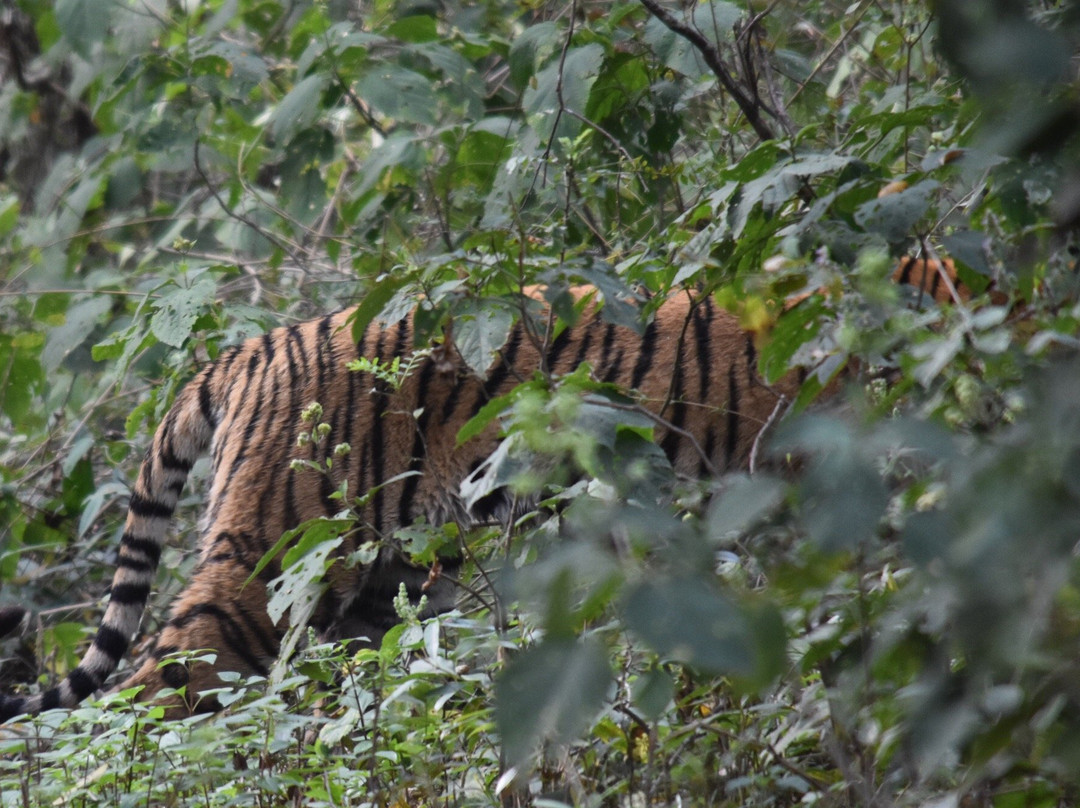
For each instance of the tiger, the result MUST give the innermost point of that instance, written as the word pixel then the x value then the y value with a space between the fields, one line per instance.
pixel 693 367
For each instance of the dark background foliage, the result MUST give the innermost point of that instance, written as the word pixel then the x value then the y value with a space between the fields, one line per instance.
pixel 895 624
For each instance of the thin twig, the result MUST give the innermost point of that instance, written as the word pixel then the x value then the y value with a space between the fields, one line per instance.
pixel 859 13
pixel 239 216
pixel 772 419
pixel 711 55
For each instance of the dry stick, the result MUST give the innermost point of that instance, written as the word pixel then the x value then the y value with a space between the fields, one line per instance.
pixel 712 58
pixel 930 254
pixel 559 97
pixel 773 417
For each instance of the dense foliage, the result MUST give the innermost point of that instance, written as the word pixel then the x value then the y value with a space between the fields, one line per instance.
pixel 896 621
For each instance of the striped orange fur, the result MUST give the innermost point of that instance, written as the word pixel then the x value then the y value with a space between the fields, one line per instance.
pixel 693 362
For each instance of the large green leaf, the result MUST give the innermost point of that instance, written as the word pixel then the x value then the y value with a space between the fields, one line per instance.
pixel 84 23
pixel 480 330
pixel 299 108
pixel 176 312
pixel 550 692
pixel 399 93
pixel 688 620
pixel 561 86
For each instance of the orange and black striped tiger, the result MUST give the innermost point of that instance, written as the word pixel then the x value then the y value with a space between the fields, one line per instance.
pixel 694 361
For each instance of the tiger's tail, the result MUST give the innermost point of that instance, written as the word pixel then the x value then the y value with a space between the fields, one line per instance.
pixel 181 438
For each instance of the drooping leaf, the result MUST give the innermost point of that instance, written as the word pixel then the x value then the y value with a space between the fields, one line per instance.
pixel 560 86
pixel 688 620
pixel 531 49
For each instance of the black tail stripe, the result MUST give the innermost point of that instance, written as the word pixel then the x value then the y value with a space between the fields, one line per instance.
pixel 111 642
pixel 128 594
pixel 141 506
pixel 50 699
pixel 170 461
pixel 134 564
pixel 82 682
pixel 148 547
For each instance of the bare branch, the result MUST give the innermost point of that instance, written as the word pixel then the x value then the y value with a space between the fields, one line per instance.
pixel 711 55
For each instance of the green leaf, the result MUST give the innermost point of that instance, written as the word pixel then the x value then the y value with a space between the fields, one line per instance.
pixel 715 20
pixel 84 23
pixel 316 532
pixel 78 325
pixel 24 375
pixel 795 328
pixel 176 313
pixel 970 248
pixel 895 216
pixel 417 28
pixel 621 303
pixel 550 693
pixel 298 109
pixel 575 74
pixel 743 502
pixel 653 691
pixel 298 589
pixel 9 213
pixel 373 304
pixel 531 49
pixel 400 149
pixel 687 620
pixel 480 330
pixel 475 425
pixel 399 93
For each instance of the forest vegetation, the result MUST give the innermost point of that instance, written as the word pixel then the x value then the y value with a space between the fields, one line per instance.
pixel 884 610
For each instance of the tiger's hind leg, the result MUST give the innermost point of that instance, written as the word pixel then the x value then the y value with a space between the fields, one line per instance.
pixel 218 612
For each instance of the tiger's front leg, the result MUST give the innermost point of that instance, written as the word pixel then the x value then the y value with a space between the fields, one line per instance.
pixel 218 612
